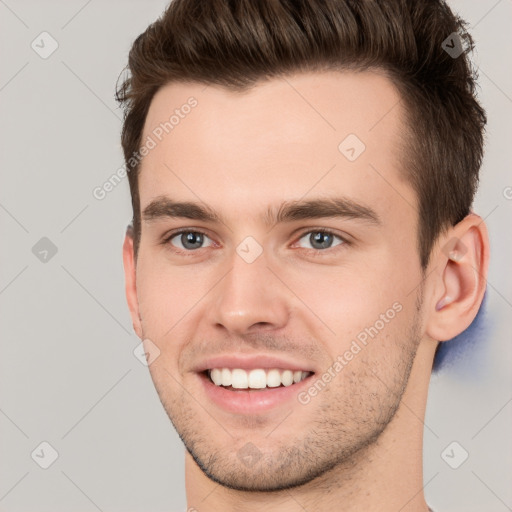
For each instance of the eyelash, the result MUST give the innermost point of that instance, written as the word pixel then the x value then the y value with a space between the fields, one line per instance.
pixel 313 252
pixel 325 252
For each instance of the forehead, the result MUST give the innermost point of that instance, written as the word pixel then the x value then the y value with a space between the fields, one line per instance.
pixel 279 140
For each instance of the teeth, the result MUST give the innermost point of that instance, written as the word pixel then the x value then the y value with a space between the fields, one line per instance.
pixel 273 379
pixel 216 376
pixel 287 378
pixel 255 379
pixel 226 377
pixel 239 379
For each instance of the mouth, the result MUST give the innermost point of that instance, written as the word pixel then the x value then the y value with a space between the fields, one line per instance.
pixel 256 389
pixel 239 379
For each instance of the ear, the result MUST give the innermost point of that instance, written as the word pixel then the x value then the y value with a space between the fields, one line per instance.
pixel 461 266
pixel 130 265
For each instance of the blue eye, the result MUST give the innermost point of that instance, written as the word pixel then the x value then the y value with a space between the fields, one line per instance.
pixel 188 240
pixel 321 239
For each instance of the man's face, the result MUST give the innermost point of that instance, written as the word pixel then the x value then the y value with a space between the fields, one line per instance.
pixel 252 293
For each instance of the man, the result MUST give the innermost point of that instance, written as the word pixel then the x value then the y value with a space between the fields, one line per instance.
pixel 302 176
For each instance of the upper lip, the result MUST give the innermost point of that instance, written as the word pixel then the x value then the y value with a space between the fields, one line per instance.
pixel 251 362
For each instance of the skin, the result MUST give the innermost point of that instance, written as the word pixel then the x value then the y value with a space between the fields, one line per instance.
pixel 357 445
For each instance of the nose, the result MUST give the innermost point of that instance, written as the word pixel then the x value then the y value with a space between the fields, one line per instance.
pixel 249 299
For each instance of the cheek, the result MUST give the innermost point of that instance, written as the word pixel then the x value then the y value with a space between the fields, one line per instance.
pixel 163 296
pixel 359 302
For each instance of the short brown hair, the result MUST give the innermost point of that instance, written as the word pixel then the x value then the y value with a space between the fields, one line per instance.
pixel 237 43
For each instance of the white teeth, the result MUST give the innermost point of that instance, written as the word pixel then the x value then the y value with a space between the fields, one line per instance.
pixel 226 377
pixel 273 379
pixel 255 379
pixel 287 378
pixel 239 379
pixel 216 376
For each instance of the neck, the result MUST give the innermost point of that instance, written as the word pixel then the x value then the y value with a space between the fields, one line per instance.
pixel 386 476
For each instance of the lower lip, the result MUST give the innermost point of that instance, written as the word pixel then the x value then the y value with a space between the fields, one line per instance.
pixel 251 401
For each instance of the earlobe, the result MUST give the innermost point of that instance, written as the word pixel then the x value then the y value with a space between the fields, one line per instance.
pixel 130 282
pixel 462 260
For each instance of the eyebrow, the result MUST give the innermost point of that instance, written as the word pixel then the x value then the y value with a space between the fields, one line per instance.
pixel 335 207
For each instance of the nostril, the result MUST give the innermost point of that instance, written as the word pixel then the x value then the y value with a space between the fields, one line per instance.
pixel 260 325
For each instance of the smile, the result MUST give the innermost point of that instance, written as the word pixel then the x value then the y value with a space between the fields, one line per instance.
pixel 257 378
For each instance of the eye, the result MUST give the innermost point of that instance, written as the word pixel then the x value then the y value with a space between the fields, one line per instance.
pixel 188 240
pixel 321 239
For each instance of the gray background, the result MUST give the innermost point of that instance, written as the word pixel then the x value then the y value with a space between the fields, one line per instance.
pixel 68 375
